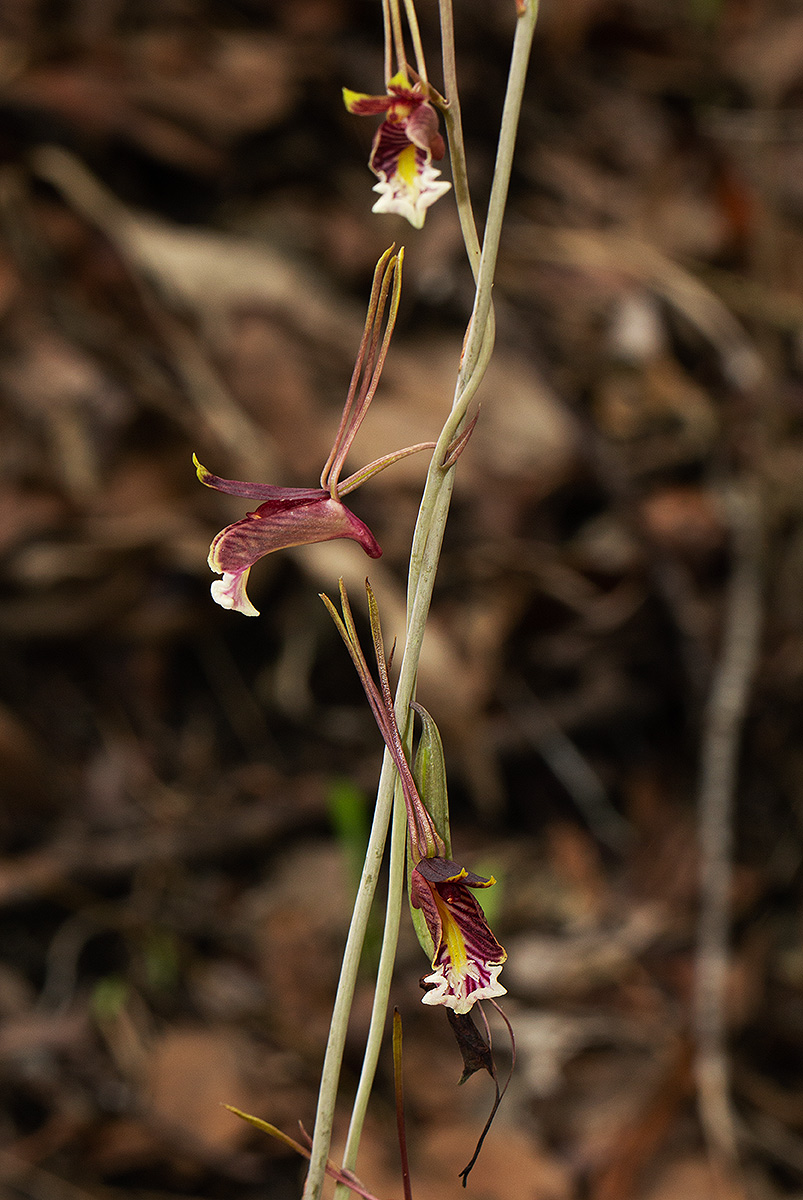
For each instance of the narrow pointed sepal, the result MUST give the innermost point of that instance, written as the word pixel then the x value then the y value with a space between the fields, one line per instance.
pixel 251 491
pixel 363 105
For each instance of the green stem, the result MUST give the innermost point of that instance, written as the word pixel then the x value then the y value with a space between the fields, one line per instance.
pixel 457 157
pixel 384 976
pixel 454 129
pixel 425 555
pixel 333 1058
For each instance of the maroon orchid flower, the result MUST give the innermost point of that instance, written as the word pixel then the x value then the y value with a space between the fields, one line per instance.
pixel 287 517
pixel 403 148
pixel 468 957
pixel 290 516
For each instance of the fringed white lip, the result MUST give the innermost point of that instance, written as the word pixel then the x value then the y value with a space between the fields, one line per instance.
pixel 461 990
pixel 411 199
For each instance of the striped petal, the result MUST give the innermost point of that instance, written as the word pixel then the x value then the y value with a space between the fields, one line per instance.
pixel 408 183
pixel 468 958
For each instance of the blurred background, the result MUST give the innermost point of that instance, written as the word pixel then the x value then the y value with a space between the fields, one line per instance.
pixel 186 249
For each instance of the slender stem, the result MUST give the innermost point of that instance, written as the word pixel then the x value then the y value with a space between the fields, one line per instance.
pixel 457 155
pixel 520 58
pixel 384 978
pixel 412 21
pixel 478 347
pixel 398 37
pixel 428 538
pixel 454 129
pixel 388 41
pixel 398 1077
pixel 330 1074
pixel 721 740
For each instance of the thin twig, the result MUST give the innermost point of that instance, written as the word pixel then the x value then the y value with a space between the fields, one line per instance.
pixel 721 738
pixel 217 408
pixel 568 765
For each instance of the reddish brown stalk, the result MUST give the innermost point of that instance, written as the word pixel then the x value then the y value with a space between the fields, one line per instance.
pixel 464 1174
pixel 399 1086
pixel 334 1172
pixel 423 833
pixel 425 841
pixel 369 363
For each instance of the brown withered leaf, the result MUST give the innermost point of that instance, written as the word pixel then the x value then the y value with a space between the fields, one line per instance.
pixel 473 1047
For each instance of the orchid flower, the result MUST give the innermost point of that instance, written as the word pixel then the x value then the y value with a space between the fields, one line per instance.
pixel 466 957
pixel 289 516
pixel 403 148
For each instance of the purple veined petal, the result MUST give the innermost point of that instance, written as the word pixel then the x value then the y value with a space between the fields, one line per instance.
pixel 422 126
pixel 408 183
pixel 296 518
pixel 390 141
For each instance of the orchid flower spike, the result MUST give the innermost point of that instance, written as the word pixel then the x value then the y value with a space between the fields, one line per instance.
pixel 403 149
pixel 466 957
pixel 289 516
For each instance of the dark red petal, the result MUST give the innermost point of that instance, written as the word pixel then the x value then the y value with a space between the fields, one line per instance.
pixel 437 147
pixel 423 897
pixel 290 520
pixel 443 870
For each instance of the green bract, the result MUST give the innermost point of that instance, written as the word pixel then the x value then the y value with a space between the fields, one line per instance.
pixel 429 773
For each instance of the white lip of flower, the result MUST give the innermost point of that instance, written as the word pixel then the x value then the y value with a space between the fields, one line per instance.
pixel 450 986
pixel 411 198
pixel 229 592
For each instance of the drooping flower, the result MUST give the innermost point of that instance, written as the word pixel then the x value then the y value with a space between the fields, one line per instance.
pixel 299 516
pixel 466 957
pixel 403 149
